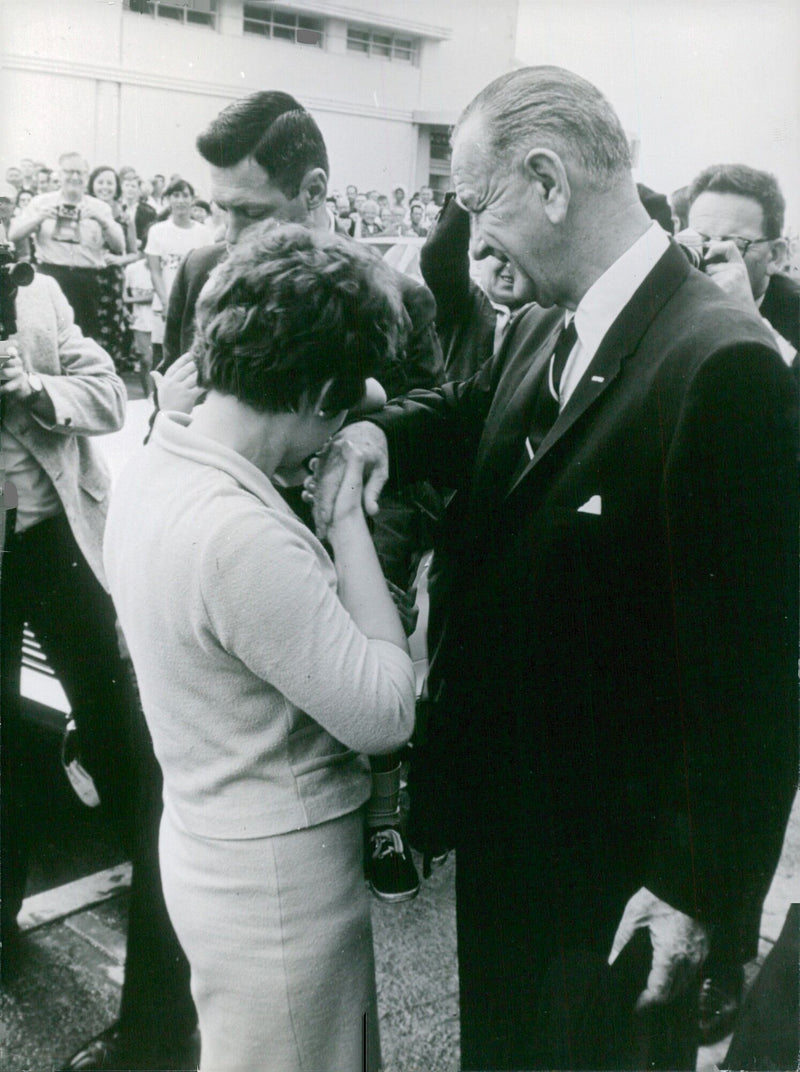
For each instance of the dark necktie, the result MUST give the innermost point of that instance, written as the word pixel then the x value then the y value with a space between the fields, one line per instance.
pixel 546 406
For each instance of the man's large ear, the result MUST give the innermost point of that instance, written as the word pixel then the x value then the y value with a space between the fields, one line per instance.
pixel 778 256
pixel 314 188
pixel 545 170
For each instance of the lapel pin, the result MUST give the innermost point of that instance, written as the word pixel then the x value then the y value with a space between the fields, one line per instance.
pixel 598 379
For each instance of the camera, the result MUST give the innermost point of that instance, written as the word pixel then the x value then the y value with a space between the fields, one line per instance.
pixel 67 221
pixel 694 247
pixel 13 275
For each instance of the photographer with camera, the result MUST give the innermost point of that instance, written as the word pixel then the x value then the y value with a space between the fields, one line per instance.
pixel 736 219
pixel 73 233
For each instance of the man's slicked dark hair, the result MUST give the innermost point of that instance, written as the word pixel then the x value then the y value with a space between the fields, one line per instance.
pixel 740 179
pixel 276 130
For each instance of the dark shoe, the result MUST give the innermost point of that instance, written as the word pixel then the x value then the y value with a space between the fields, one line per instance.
pixel 720 998
pixel 115 1049
pixel 390 869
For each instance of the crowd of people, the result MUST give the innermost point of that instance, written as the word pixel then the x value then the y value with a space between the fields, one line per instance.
pixel 599 440
pixel 119 294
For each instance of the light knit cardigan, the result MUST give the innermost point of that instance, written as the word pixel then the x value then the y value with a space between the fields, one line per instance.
pixel 259 690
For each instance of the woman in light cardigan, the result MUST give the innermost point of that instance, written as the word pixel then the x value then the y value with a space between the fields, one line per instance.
pixel 267 668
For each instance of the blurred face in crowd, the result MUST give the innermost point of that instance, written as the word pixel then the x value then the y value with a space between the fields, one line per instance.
pixel 24 199
pixel 28 167
pixel 247 194
pixel 723 215
pixel 55 181
pixel 426 195
pixel 351 192
pixel 360 199
pixel 369 211
pixel 503 285
pixel 342 203
pixel 105 186
pixel 158 185
pixel 199 214
pixel 42 179
pixel 180 205
pixel 130 189
pixel 399 195
pixel 14 177
pixel 416 214
pixel 74 171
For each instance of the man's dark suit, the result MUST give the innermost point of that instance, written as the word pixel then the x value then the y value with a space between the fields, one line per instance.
pixel 617 695
pixel 781 306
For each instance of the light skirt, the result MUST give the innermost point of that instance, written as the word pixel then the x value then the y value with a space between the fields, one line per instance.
pixel 278 935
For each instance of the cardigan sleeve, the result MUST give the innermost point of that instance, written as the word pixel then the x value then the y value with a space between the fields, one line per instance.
pixel 270 604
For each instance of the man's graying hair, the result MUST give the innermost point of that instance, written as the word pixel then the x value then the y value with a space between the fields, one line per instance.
pixel 554 109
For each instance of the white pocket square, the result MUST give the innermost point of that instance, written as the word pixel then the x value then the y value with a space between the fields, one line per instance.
pixel 592 506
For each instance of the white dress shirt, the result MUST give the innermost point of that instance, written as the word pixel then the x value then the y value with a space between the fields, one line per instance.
pixel 604 301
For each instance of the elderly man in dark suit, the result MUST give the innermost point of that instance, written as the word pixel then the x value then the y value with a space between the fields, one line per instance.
pixel 615 745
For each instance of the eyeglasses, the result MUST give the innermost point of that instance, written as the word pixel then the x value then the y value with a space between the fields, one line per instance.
pixel 742 244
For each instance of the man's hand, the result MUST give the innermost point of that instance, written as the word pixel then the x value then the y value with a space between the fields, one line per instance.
pixel 177 387
pixel 14 376
pixel 680 945
pixel 725 265
pixel 366 442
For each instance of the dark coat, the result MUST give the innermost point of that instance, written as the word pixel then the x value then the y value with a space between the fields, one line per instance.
pixel 617 676
pixel 781 306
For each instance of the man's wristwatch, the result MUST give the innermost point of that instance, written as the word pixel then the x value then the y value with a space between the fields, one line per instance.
pixel 35 382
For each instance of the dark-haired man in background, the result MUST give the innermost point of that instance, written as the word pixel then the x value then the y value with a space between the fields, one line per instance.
pixel 739 211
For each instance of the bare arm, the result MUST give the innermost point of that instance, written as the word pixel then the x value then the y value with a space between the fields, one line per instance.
pixel 362 587
pixel 159 286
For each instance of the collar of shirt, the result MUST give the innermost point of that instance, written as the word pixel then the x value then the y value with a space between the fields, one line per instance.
pixel 604 301
pixel 331 220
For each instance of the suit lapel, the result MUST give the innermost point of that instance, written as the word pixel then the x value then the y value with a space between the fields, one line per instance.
pixel 619 342
pixel 510 414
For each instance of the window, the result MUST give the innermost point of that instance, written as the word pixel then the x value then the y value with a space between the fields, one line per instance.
pixel 379 43
pixel 194 12
pixel 284 25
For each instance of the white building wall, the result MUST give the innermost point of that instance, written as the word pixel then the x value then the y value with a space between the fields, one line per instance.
pixel 125 88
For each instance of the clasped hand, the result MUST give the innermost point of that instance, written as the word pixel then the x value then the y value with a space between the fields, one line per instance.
pixel 349 472
pixel 680 945
pixel 14 375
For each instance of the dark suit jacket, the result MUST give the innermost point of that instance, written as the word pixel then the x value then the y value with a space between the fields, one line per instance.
pixel 617 675
pixel 781 306
pixel 420 364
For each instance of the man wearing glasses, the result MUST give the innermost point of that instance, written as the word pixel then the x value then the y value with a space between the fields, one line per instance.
pixel 739 213
pixel 73 233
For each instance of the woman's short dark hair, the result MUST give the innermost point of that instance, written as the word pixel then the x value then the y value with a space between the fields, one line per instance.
pixel 99 171
pixel 291 309
pixel 179 186
pixel 272 127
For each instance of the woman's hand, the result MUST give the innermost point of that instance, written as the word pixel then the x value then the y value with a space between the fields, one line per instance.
pixel 177 387
pixel 347 507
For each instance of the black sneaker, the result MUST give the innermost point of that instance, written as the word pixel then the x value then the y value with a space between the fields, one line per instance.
pixel 720 998
pixel 390 869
